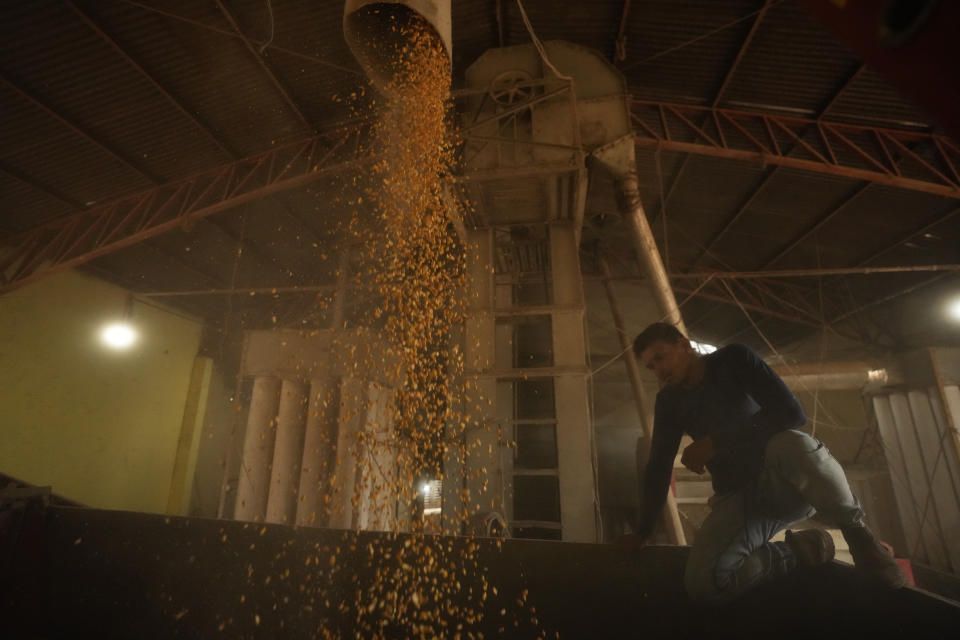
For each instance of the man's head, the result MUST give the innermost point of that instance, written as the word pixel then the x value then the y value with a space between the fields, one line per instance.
pixel 665 351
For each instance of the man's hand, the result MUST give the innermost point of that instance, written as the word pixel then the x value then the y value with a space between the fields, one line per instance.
pixel 631 541
pixel 697 454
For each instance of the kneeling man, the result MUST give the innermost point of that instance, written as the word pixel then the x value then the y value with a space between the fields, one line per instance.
pixel 766 473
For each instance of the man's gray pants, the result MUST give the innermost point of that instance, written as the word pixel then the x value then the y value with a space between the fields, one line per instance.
pixel 732 553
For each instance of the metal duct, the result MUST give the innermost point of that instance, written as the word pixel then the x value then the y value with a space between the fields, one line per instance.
pixel 619 160
pixel 369 27
pixel 833 376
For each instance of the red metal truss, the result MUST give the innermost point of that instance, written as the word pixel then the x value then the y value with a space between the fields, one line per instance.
pixel 75 239
pixel 908 159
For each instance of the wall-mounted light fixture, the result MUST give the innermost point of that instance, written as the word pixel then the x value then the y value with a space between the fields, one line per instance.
pixel 120 335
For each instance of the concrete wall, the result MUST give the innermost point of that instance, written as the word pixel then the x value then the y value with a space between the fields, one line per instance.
pixel 100 426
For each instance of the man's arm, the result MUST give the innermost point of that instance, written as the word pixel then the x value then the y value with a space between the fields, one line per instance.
pixel 663 450
pixel 779 409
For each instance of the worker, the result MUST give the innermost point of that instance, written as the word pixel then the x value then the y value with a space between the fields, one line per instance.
pixel 766 473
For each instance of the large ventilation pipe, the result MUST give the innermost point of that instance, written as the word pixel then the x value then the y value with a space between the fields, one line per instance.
pixel 618 159
pixel 374 32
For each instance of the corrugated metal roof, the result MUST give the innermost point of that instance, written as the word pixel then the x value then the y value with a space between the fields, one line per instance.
pixel 474 31
pixel 591 24
pixel 675 52
pixel 871 100
pixel 792 62
pixel 661 65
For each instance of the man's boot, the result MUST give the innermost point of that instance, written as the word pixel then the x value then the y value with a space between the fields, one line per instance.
pixel 872 558
pixel 811 547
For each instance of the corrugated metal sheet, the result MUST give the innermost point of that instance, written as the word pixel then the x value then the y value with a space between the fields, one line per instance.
pixel 474 31
pixel 786 205
pixel 210 71
pixel 792 63
pixel 322 86
pixel 105 96
pixel 914 428
pixel 660 63
pixel 871 100
pixel 591 24
pixel 25 207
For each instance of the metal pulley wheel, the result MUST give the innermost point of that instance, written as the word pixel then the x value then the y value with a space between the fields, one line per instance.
pixel 511 87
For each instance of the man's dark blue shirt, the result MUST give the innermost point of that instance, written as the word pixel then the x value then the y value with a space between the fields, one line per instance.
pixel 740 402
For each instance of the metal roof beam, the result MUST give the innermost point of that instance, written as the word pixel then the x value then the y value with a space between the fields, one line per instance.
pixel 716 100
pixel 779 144
pixel 731 220
pixel 813 273
pixel 201 311
pixel 726 300
pixel 166 93
pixel 75 239
pixel 116 155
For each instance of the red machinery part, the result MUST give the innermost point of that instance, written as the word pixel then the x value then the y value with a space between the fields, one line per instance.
pixel 911 43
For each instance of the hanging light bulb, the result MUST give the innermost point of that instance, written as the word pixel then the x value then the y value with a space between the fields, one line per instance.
pixel 953 309
pixel 120 335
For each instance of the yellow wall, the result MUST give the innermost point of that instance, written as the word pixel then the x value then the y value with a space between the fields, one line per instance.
pixel 100 426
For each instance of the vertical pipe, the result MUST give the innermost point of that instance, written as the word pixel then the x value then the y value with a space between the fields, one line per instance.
pixel 318 451
pixel 646 248
pixel 672 515
pixel 287 453
pixel 254 479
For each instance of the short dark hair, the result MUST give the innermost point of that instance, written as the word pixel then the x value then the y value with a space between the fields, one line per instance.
pixel 657 332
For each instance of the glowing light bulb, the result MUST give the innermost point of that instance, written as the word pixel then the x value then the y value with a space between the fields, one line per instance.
pixel 953 309
pixel 118 335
